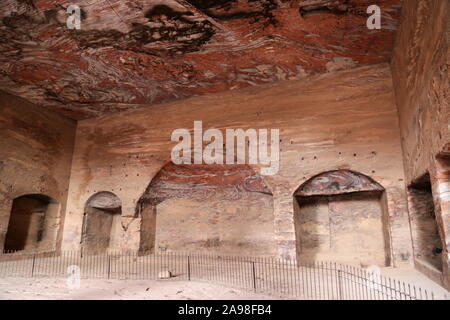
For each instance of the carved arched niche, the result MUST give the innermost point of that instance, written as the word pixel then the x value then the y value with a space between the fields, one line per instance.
pixel 224 209
pixel 342 216
pixel 33 223
pixel 102 226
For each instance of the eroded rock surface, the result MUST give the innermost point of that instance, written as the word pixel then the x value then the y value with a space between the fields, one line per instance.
pixel 134 53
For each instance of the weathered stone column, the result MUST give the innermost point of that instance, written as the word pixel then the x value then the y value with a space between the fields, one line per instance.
pixel 399 228
pixel 5 211
pixel 131 228
pixel 284 223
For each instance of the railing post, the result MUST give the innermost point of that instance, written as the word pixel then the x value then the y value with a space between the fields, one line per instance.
pixel 340 283
pixel 189 267
pixel 32 266
pixel 109 265
pixel 254 275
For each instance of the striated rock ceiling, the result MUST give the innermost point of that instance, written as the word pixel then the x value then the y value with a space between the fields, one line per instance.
pixel 130 54
pixel 202 181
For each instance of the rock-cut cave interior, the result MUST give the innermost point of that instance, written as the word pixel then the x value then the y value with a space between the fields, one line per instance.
pixel 88 114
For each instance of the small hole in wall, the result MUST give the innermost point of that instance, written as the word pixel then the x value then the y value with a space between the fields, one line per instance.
pixel 354 154
pixel 315 158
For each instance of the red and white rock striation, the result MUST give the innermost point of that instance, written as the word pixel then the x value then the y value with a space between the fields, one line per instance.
pixel 134 53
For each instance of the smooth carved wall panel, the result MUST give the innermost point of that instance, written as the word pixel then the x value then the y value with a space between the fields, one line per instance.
pixel 243 226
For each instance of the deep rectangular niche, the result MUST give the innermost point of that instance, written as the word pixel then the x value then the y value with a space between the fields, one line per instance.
pixel 33 224
pixel 424 230
pixel 348 228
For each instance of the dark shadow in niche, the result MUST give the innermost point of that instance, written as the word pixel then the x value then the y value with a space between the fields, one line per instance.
pixel 31 224
pixel 342 216
pixel 425 235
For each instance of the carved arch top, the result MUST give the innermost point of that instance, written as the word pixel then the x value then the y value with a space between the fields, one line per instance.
pixel 337 182
pixel 201 182
pixel 104 200
pixel 38 196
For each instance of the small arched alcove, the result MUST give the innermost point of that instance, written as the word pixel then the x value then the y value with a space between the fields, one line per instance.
pixel 102 226
pixel 341 215
pixel 224 209
pixel 33 223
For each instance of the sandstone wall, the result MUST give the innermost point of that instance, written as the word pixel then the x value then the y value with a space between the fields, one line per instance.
pixel 36 149
pixel 420 68
pixel 219 225
pixel 342 120
pixel 223 209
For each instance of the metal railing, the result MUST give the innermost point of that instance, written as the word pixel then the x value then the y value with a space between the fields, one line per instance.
pixel 284 278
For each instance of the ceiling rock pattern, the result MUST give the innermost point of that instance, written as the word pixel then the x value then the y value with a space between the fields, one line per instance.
pixel 130 54
pixel 202 182
pixel 337 182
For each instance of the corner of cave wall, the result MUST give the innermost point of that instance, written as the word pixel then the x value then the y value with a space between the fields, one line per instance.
pixel 36 156
pixel 420 67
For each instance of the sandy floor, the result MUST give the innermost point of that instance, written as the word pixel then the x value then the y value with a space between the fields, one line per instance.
pixel 56 289
pixel 411 275
pixel 94 289
pixel 213 278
